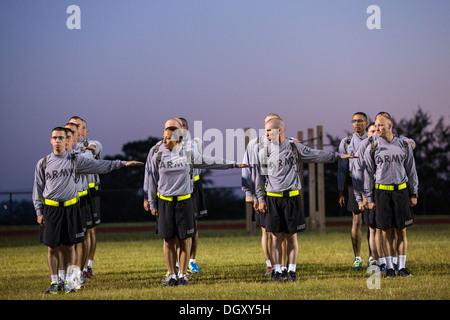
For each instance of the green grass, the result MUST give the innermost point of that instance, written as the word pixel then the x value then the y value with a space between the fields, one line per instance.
pixel 130 266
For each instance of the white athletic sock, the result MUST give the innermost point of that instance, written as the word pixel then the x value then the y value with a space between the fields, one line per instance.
pixel 62 274
pixel 358 258
pixel 283 268
pixel 277 268
pixel 191 260
pixel 389 264
pixel 401 262
pixel 268 263
pixel 181 275
pixel 292 267
pixel 90 263
pixel 54 277
pixel 394 260
pixel 173 276
pixel 77 273
pixel 383 260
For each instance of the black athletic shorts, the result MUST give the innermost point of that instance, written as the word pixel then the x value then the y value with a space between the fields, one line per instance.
pixel 393 209
pixel 85 211
pixel 260 217
pixel 352 205
pixel 176 219
pixel 95 205
pixel 285 214
pixel 200 203
pixel 369 218
pixel 62 225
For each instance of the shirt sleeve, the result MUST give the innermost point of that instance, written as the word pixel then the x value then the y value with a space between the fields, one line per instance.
pixel 411 172
pixel 153 178
pixel 38 187
pixel 342 167
pixel 369 171
pixel 85 165
pixel 247 179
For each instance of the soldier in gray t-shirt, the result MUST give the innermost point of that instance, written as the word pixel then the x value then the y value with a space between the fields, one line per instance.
pixel 277 177
pixel 390 167
pixel 55 197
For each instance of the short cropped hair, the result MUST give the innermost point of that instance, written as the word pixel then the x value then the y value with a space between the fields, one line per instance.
pixel 361 114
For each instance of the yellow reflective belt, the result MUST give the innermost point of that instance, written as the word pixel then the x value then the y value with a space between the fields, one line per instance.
pixel 196 178
pixel 280 194
pixel 178 198
pixel 92 185
pixel 390 187
pixel 64 204
pixel 82 193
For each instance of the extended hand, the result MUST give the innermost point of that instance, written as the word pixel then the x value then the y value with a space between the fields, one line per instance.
pixel 245 166
pixel 154 212
pixel 348 156
pixel 134 163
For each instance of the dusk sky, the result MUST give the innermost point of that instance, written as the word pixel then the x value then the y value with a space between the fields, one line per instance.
pixel 134 64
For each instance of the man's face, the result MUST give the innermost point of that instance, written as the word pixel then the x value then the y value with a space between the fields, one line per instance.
pixel 383 127
pixel 167 140
pixel 58 140
pixel 72 138
pixel 69 139
pixel 371 131
pixel 359 124
pixel 81 127
pixel 272 134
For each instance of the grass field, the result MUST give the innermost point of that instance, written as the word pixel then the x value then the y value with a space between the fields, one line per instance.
pixel 129 266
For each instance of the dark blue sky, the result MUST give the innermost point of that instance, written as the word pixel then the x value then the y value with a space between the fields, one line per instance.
pixel 133 64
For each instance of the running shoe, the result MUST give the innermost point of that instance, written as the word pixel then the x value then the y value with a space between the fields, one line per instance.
pixel 395 267
pixel 403 272
pixel 54 288
pixel 357 264
pixel 382 267
pixel 276 277
pixel 292 277
pixel 86 273
pixel 390 273
pixel 370 262
pixel 166 278
pixel 69 286
pixel 193 267
pixel 172 282
pixel 284 273
pixel 182 281
pixel 268 271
